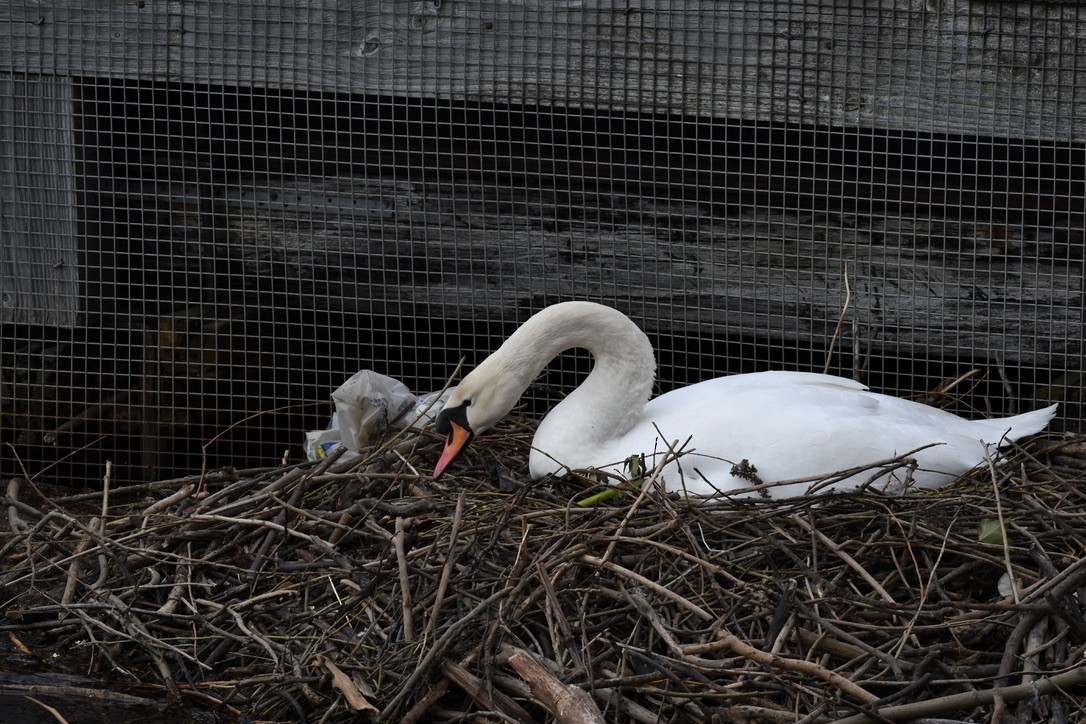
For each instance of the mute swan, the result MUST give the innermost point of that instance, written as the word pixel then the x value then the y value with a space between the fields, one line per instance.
pixel 788 425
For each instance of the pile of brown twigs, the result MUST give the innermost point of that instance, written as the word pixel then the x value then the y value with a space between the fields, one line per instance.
pixel 321 591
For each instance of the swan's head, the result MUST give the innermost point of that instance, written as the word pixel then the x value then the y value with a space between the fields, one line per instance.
pixel 479 401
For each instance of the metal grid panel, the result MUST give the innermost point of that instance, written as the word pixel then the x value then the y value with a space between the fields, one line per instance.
pixel 260 199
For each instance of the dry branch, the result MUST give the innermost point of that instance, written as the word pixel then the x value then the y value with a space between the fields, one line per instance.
pixel 356 701
pixel 568 704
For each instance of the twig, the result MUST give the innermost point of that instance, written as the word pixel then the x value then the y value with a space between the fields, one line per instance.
pixel 807 668
pixel 73 575
pixel 55 714
pixel 1011 578
pixel 840 322
pixel 103 559
pixel 423 667
pixel 15 521
pixel 688 605
pixel 568 704
pixel 242 421
pixel 825 480
pixel 849 560
pixel 446 567
pixel 356 700
pixel 402 524
pixel 479 690
pixel 168 502
pixel 969 700
pixel 420 709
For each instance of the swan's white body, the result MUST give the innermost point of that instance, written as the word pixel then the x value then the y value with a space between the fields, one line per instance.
pixel 787 425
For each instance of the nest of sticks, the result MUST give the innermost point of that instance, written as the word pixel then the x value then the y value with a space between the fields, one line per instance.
pixel 337 590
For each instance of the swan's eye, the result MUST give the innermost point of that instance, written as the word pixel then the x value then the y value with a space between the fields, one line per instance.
pixel 467 402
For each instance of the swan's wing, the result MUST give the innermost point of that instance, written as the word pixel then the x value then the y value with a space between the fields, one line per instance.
pixel 787 379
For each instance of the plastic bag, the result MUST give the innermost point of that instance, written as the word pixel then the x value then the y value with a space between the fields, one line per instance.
pixel 367 404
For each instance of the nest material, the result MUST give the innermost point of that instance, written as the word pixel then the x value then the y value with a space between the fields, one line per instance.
pixel 317 592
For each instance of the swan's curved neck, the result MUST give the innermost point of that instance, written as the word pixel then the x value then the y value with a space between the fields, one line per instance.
pixel 613 396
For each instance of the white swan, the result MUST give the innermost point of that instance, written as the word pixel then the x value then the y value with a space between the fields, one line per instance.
pixel 788 425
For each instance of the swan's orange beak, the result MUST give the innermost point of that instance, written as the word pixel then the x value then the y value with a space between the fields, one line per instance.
pixel 457 439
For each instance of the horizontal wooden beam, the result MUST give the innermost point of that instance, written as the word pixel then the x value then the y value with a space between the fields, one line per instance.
pixel 957 66
pixel 915 288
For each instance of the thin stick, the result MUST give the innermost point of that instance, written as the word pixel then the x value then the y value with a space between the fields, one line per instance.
pixel 103 559
pixel 168 502
pixel 402 525
pixel 15 521
pixel 626 572
pixel 408 687
pixel 242 421
pixel 1002 528
pixel 446 568
pixel 970 700
pixel 56 714
pixel 840 323
pixel 808 668
pixel 852 563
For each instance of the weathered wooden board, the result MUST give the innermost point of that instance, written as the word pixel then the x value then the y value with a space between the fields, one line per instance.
pixel 39 253
pixel 1012 69
pixel 111 38
pixel 410 250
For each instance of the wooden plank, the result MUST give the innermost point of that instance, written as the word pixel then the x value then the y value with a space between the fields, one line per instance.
pixel 919 287
pixel 108 38
pixel 38 234
pixel 958 66
pixel 973 68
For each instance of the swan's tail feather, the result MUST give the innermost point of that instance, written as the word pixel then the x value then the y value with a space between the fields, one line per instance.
pixel 1008 429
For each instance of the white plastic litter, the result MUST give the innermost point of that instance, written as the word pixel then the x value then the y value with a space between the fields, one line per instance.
pixel 1006 587
pixel 367 404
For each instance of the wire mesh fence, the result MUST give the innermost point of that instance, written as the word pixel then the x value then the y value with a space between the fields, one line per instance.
pixel 212 214
pixel 212 218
